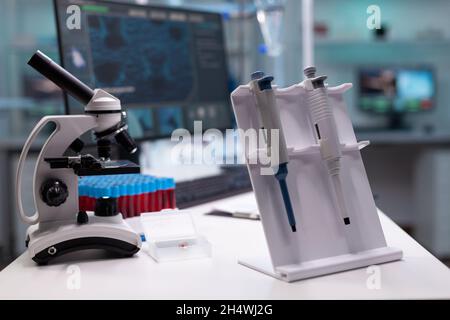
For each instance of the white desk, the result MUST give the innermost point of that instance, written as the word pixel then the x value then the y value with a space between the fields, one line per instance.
pixel 419 275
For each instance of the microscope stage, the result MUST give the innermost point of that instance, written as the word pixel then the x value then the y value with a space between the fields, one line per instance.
pixel 110 167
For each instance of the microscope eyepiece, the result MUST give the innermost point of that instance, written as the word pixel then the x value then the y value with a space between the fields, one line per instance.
pixel 61 77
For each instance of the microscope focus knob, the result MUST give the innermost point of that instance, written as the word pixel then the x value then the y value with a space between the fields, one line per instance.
pixel 54 192
pixel 106 207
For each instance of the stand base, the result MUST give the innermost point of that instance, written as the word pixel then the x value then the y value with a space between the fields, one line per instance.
pixel 319 267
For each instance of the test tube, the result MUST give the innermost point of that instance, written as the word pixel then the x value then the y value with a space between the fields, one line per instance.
pixel 152 195
pixel 167 193
pixel 91 200
pixel 129 197
pixel 81 197
pixel 137 197
pixel 171 191
pixel 122 199
pixel 145 194
pixel 115 192
pixel 158 194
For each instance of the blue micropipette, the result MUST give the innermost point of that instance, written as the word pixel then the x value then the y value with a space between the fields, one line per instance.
pixel 270 117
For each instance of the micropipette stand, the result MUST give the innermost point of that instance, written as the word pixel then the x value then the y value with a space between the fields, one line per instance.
pixel 323 244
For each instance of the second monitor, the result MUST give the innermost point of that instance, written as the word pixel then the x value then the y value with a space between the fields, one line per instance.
pixel 396 91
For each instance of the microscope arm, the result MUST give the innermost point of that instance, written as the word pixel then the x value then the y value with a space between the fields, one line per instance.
pixel 52 147
pixel 40 125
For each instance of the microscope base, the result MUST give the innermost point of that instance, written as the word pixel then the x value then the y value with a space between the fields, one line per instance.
pixel 47 241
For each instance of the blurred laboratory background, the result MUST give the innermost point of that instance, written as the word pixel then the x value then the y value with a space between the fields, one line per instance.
pixel 400 101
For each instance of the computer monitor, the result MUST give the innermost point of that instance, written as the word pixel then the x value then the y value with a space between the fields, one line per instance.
pixel 167 65
pixel 395 91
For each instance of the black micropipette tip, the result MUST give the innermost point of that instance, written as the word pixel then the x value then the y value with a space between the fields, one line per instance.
pixel 346 220
pixel 281 177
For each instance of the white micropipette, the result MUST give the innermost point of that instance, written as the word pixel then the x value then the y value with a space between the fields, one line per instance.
pixel 327 134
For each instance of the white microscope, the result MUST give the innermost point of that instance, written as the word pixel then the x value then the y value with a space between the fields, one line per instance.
pixel 58 226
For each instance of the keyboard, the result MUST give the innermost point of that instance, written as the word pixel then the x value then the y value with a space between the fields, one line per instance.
pixel 233 180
